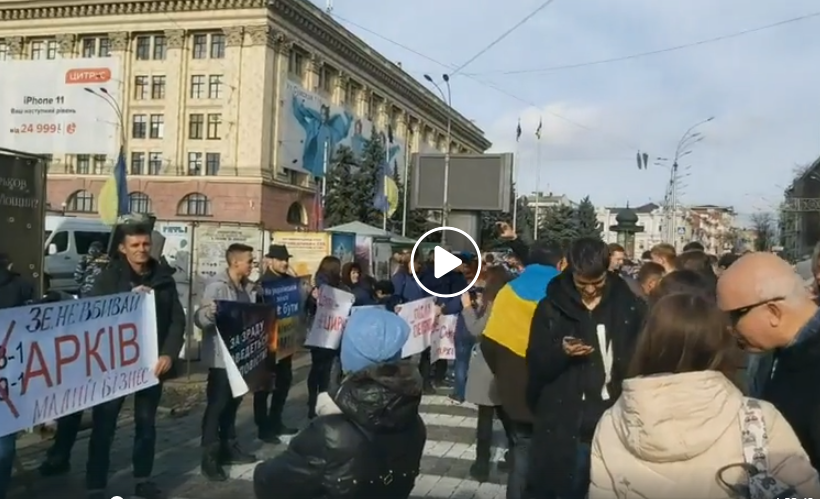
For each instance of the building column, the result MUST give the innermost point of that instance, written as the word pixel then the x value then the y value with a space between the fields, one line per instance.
pixel 15 44
pixel 365 101
pixel 252 102
pixel 282 46
pixel 230 161
pixel 340 90
pixel 174 155
pixel 314 65
pixel 67 45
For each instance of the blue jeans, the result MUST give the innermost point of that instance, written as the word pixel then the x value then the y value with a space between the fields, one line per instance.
pixel 8 447
pixel 580 481
pixel 521 440
pixel 464 352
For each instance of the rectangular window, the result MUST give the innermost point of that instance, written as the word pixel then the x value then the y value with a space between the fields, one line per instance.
pixel 137 163
pixel 4 51
pixel 104 47
pixel 200 47
pixel 157 130
pixel 140 87
pixel 157 87
pixel 83 164
pixel 154 163
pixel 214 126
pixel 99 163
pixel 37 49
pixel 139 126
pixel 296 63
pixel 215 87
pixel 160 47
pixel 212 162
pixel 195 163
pixel 51 49
pixel 143 51
pixel 217 46
pixel 89 47
pixel 197 86
pixel 325 79
pixel 196 126
pixel 349 95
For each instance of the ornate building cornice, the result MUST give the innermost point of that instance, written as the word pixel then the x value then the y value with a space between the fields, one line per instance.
pixel 300 14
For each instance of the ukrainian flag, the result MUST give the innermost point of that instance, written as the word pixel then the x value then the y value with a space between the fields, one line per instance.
pixel 513 308
pixel 113 200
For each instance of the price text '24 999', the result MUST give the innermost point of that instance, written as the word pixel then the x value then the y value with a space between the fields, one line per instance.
pixel 46 128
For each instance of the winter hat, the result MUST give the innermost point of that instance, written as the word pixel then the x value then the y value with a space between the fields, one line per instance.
pixel 372 336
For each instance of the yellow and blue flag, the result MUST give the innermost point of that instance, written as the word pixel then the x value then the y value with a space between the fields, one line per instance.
pixel 113 200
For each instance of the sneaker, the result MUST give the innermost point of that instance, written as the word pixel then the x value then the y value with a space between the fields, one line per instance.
pixel 54 467
pixel 148 490
pixel 504 464
pixel 231 453
pixel 211 467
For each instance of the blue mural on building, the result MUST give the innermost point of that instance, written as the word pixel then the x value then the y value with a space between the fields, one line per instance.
pixel 308 121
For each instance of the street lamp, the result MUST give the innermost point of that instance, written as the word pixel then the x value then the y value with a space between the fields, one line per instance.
pixel 689 138
pixel 112 103
pixel 448 99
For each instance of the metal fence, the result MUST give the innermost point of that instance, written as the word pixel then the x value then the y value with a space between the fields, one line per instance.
pixel 197 251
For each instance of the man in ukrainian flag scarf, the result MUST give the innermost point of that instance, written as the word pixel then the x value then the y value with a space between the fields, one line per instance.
pixel 504 345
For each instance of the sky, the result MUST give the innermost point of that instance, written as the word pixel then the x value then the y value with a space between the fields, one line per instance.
pixel 761 88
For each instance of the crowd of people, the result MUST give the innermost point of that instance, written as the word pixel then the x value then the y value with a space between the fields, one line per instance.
pixel 677 375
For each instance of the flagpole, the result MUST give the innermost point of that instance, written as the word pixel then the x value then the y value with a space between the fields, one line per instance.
pixel 515 179
pixel 384 184
pixel 325 160
pixel 404 182
pixel 537 181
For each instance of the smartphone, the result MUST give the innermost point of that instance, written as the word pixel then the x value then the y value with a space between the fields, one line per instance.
pixel 572 341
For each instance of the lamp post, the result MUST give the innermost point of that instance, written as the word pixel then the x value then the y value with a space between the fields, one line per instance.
pixel 448 99
pixel 112 103
pixel 689 138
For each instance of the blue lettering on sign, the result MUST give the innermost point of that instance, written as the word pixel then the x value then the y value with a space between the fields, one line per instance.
pixel 174 230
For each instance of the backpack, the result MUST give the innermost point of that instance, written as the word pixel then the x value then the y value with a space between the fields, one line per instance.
pixel 755 442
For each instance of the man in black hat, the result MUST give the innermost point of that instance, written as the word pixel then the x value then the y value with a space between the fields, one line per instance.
pixel 268 406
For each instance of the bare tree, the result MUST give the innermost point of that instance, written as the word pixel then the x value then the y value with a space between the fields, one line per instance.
pixel 763 225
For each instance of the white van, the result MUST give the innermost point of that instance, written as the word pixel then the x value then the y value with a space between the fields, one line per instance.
pixel 67 241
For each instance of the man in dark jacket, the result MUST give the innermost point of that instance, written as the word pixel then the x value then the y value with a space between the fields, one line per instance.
pixel 368 438
pixel 269 418
pixel 135 270
pixel 14 292
pixel 581 341
pixel 90 267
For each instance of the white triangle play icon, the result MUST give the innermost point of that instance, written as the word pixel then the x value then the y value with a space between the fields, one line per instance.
pixel 444 261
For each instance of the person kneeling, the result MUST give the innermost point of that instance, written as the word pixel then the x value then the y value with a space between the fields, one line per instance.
pixel 368 437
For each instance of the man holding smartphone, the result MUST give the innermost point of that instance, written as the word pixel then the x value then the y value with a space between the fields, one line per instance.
pixel 581 340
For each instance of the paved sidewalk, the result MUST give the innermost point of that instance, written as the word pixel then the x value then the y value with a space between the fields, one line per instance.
pixel 448 455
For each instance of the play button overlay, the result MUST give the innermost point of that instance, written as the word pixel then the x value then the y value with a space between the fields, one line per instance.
pixel 444 262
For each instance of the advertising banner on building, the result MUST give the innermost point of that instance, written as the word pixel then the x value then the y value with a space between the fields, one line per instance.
pixel 61 106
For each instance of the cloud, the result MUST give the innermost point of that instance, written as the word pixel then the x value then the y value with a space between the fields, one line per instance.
pixel 761 88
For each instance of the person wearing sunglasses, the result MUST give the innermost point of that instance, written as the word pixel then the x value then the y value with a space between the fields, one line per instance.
pixel 772 312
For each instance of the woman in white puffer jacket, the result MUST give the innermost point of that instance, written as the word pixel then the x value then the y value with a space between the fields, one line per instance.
pixel 679 419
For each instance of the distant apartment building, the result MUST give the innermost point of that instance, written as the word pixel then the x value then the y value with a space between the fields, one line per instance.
pixel 539 201
pixel 650 216
pixel 714 226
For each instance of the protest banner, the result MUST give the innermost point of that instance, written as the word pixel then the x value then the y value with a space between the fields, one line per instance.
pixel 332 309
pixel 420 315
pixel 443 338
pixel 244 330
pixel 63 357
pixel 288 297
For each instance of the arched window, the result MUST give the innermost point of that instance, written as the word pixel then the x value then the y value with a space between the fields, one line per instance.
pixel 296 215
pixel 82 202
pixel 194 205
pixel 139 202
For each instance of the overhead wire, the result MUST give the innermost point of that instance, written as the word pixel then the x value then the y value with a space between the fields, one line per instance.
pixel 674 48
pixel 615 138
pixel 503 35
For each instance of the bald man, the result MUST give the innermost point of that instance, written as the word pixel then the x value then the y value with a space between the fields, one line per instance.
pixel 772 311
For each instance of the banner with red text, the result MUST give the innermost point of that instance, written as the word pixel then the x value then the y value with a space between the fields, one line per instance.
pixel 60 358
pixel 443 338
pixel 332 309
pixel 420 315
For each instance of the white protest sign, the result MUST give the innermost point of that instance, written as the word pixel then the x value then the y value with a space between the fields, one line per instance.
pixel 235 379
pixel 61 106
pixel 332 309
pixel 420 315
pixel 443 338
pixel 60 358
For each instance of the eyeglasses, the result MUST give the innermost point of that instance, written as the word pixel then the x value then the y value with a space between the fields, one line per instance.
pixel 737 314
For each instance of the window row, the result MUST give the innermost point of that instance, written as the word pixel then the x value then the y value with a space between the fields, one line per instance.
pixel 202 87
pixel 192 205
pixel 199 163
pixel 145 126
pixel 206 87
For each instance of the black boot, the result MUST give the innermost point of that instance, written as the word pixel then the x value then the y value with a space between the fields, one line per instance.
pixel 54 467
pixel 211 468
pixel 480 470
pixel 267 435
pixel 231 453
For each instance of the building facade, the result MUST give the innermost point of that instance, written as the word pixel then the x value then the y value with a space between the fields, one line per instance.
pixel 539 202
pixel 222 101
pixel 650 216
pixel 714 226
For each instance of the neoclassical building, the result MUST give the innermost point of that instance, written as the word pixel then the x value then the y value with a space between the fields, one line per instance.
pixel 218 96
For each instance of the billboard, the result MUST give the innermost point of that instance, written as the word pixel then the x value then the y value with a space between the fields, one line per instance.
pixel 22 213
pixel 60 106
pixel 477 182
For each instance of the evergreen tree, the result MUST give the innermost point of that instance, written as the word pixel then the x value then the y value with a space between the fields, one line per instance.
pixel 339 205
pixel 558 224
pixel 525 222
pixel 365 181
pixel 588 225
pixel 417 223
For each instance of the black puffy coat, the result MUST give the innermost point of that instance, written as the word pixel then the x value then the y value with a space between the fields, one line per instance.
pixel 367 442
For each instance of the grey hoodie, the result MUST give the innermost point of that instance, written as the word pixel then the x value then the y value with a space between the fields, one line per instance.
pixel 220 288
